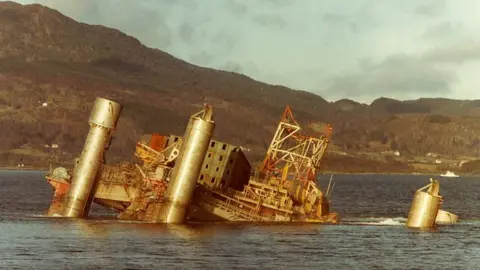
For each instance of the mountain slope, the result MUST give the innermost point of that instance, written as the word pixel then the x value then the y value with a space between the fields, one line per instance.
pixel 46 57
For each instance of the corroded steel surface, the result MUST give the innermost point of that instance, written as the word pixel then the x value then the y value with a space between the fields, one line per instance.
pixel 61 188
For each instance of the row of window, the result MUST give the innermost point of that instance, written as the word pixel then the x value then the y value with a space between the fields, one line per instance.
pixel 217 169
pixel 227 172
pixel 212 144
pixel 212 180
pixel 224 146
pixel 220 158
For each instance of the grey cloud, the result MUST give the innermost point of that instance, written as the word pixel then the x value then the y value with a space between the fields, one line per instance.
pixel 234 67
pixel 150 28
pixel 279 3
pixel 341 21
pixel 201 57
pixel 396 76
pixel 353 27
pixel 456 54
pixel 186 32
pixel 159 36
pixel 84 10
pixel 223 41
pixel 334 18
pixel 432 9
pixel 237 7
pixel 269 20
pixel 366 64
pixel 443 30
pixel 245 67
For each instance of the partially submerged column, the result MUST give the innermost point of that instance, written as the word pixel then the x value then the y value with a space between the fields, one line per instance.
pixel 444 217
pixel 188 165
pixel 425 206
pixel 103 120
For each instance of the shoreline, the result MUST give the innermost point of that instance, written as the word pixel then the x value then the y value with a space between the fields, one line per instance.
pixel 24 169
pixel 433 174
pixel 325 173
pixel 383 173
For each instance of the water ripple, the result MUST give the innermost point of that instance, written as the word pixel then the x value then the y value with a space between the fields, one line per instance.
pixel 372 234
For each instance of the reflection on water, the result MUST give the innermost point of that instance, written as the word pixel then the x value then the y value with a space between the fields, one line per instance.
pixel 180 231
pixel 90 229
pixel 372 233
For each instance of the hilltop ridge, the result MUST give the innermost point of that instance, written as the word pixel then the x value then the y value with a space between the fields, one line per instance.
pixel 46 57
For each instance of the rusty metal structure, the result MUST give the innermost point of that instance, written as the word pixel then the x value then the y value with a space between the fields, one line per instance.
pixel 425 210
pixel 177 179
pixel 292 155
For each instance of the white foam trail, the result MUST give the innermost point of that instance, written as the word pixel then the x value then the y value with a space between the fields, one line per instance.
pixel 390 221
pixel 397 221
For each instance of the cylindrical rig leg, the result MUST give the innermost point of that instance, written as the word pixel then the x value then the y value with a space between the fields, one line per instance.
pixel 185 174
pixel 424 210
pixel 103 119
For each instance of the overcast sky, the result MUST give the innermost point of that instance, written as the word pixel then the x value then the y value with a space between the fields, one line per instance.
pixel 357 49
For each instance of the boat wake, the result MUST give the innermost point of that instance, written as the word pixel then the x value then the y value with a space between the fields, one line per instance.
pixel 381 221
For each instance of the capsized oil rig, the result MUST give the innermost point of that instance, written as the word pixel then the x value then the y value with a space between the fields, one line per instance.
pixel 194 178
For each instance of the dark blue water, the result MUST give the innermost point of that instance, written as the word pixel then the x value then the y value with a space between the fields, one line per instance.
pixel 372 234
